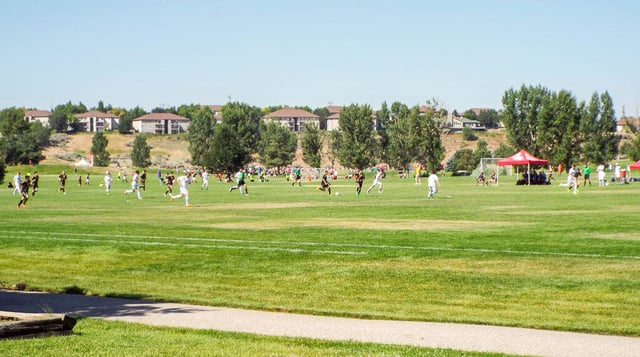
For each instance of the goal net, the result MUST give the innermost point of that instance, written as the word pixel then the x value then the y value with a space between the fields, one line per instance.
pixel 489 165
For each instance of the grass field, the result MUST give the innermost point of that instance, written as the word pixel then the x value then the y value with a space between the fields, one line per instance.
pixel 509 255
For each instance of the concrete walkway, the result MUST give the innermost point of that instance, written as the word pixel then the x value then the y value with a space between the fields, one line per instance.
pixel 426 334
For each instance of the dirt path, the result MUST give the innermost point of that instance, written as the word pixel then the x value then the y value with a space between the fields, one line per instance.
pixel 426 334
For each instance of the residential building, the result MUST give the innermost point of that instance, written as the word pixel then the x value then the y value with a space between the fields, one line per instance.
pixel 333 121
pixel 37 115
pixel 217 112
pixel 291 118
pixel 623 123
pixel 95 121
pixel 459 123
pixel 161 123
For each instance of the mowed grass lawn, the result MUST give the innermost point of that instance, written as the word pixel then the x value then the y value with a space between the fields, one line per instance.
pixel 509 255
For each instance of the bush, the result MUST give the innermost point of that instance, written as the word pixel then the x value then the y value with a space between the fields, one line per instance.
pixel 468 134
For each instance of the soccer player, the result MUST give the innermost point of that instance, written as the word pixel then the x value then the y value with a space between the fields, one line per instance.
pixel 359 177
pixel 34 182
pixel 24 192
pixel 169 181
pixel 63 181
pixel 16 183
pixel 135 186
pixel 377 180
pixel 324 184
pixel 240 182
pixel 205 180
pixel 107 182
pixel 183 182
pixel 434 183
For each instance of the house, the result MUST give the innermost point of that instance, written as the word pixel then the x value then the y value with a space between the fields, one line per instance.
pixel 291 118
pixel 217 112
pixel 623 123
pixel 333 121
pixel 95 121
pixel 161 123
pixel 459 123
pixel 37 115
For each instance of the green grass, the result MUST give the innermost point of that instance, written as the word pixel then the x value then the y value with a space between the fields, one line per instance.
pixel 510 255
pixel 108 338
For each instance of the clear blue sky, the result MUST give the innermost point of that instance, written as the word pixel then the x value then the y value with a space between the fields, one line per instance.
pixel 298 52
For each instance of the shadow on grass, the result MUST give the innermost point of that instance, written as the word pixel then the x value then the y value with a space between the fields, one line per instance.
pixel 76 304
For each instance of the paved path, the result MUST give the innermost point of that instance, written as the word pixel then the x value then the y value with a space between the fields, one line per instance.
pixel 426 334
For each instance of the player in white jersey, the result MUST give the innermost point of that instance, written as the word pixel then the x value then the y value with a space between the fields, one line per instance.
pixel 135 186
pixel 434 183
pixel 183 182
pixel 377 180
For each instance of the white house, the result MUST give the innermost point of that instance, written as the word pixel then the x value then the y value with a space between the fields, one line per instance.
pixel 37 115
pixel 294 119
pixel 459 123
pixel 95 121
pixel 333 121
pixel 161 123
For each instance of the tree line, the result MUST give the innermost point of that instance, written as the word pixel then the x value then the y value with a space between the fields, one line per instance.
pixel 551 125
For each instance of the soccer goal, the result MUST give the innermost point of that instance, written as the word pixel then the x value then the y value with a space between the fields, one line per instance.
pixel 489 165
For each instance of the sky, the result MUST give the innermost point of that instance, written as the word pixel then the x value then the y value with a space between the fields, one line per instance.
pixel 463 53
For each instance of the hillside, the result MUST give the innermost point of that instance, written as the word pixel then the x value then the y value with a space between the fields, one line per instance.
pixel 172 150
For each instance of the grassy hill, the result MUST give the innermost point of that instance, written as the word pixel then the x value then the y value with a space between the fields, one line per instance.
pixel 173 150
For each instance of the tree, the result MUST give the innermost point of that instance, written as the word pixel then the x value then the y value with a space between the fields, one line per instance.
pixel 311 145
pixel 200 133
pixel 126 121
pixel 462 160
pixel 246 123
pixel 278 145
pixel 141 153
pixel 20 141
pixel 503 151
pixel 357 145
pixel 323 113
pixel 400 153
pixel 426 142
pixel 470 114
pixel 489 118
pixel 225 153
pixel 468 134
pixel 101 156
pixel 520 116
pixel 608 140
pixel 481 151
pixel 58 121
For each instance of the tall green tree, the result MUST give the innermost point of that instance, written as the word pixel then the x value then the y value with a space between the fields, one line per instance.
pixel 101 156
pixel 608 139
pixel 141 152
pixel 226 153
pixel 126 121
pixel 246 123
pixel 312 145
pixel 481 151
pixel 357 145
pixel 278 145
pixel 323 113
pixel 399 127
pixel 489 118
pixel 520 116
pixel 384 118
pixel 20 141
pixel 200 133
pixel 426 141
pixel 559 120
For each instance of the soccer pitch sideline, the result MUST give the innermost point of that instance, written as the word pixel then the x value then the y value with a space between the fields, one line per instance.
pixel 506 255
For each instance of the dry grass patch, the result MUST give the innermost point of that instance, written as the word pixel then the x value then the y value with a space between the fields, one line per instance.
pixel 368 224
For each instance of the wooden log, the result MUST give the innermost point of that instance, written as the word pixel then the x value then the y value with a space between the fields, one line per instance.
pixel 35 325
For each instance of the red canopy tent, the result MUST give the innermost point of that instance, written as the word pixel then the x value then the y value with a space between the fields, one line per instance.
pixel 523 158
pixel 635 166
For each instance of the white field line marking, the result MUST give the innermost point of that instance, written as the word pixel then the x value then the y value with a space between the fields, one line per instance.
pixel 288 250
pixel 344 245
